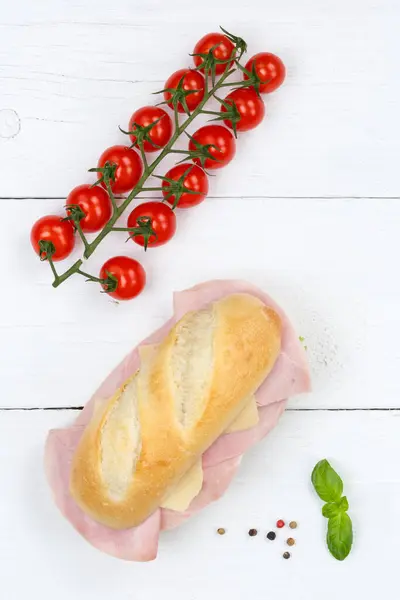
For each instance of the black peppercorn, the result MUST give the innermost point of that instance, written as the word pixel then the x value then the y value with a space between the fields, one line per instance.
pixel 271 535
pixel 286 555
pixel 252 532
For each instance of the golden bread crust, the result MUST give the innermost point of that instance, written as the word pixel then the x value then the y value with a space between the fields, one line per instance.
pixel 246 341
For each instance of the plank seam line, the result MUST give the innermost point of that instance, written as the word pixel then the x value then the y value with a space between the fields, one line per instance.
pixel 78 408
pixel 232 197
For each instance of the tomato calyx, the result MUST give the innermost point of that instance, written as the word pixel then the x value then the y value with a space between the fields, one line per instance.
pixel 111 282
pixel 178 96
pixel 231 113
pixel 144 228
pixel 209 62
pixel 253 80
pixel 107 173
pixel 201 153
pixel 47 249
pixel 240 44
pixel 142 133
pixel 176 187
pixel 75 214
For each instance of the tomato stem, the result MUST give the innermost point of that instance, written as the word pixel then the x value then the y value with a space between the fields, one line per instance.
pixel 61 278
pixel 173 151
pixel 113 202
pixel 176 118
pixel 210 112
pixel 143 155
pixel 91 277
pixel 82 235
pixel 235 84
pixel 51 263
pixel 123 228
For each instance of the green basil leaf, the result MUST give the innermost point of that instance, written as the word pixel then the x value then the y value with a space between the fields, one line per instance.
pixel 327 482
pixel 343 504
pixel 330 510
pixel 340 535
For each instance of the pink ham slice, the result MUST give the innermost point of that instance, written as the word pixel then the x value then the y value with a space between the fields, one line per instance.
pixel 138 543
pixel 289 376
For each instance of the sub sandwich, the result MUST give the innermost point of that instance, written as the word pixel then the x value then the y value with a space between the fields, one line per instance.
pixel 164 435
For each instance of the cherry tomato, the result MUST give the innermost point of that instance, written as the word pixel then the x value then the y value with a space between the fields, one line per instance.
pixel 222 139
pixel 95 203
pixel 195 180
pixel 269 68
pixel 160 134
pixel 192 80
pixel 129 167
pixel 223 51
pixel 250 107
pixel 163 222
pixel 53 229
pixel 130 276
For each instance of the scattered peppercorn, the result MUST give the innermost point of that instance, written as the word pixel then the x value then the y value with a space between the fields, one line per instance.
pixel 252 532
pixel 293 525
pixel 286 555
pixel 221 531
pixel 280 524
pixel 271 535
pixel 290 542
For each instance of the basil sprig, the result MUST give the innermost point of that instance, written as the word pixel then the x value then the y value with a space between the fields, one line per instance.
pixel 329 488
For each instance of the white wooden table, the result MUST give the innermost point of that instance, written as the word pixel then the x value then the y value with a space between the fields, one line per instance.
pixel 309 210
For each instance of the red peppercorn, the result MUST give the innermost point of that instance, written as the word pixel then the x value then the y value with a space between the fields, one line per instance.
pixel 280 524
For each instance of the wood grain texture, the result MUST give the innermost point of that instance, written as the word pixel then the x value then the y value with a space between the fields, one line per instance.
pixel 74 71
pixel 309 211
pixel 40 552
pixel 330 264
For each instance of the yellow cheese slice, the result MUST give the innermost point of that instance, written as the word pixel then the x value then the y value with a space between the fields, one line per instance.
pixel 187 489
pixel 248 417
pixel 191 483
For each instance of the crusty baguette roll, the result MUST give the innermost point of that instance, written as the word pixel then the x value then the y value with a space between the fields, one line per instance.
pixel 141 442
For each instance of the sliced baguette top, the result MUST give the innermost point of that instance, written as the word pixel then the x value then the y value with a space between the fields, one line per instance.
pixel 141 442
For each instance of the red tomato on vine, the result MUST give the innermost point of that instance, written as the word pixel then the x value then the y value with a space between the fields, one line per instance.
pixel 129 167
pixel 250 107
pixel 192 81
pixel 269 69
pixel 52 229
pixel 224 50
pixel 159 134
pixel 126 276
pixel 160 217
pixel 195 181
pixel 94 201
pixel 223 146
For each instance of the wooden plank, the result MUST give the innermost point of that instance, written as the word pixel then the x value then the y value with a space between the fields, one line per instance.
pixel 332 266
pixel 74 74
pixel 41 554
